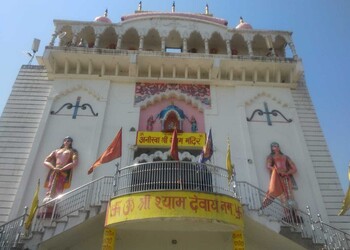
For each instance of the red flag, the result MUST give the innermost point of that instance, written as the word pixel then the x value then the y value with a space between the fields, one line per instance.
pixel 174 151
pixel 113 151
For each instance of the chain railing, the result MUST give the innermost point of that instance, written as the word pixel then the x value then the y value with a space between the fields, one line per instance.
pixel 11 231
pixel 175 175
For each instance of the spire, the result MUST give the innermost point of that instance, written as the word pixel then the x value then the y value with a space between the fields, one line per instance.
pixel 140 6
pixel 241 20
pixel 106 13
pixel 207 9
pixel 173 7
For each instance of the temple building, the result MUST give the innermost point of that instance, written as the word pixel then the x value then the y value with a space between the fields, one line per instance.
pixel 166 130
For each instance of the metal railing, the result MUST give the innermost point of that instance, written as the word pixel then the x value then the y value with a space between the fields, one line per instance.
pixel 11 231
pixel 88 195
pixel 175 175
pixel 298 220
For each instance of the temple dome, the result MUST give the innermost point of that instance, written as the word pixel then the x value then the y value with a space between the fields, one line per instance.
pixel 243 25
pixel 104 18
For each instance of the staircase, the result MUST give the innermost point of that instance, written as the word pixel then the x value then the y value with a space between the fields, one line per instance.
pixel 295 224
pixel 90 201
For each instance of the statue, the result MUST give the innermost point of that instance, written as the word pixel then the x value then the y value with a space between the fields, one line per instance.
pixel 193 122
pixel 60 162
pixel 150 122
pixel 282 169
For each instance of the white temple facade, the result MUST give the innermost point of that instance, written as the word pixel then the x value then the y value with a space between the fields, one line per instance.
pixel 144 76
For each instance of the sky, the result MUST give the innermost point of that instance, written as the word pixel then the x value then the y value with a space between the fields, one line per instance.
pixel 321 34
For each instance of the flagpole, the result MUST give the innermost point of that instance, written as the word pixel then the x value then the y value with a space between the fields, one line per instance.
pixel 115 181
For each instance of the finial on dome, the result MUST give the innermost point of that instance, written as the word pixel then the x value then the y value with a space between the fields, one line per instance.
pixel 104 18
pixel 173 7
pixel 140 6
pixel 243 25
pixel 207 9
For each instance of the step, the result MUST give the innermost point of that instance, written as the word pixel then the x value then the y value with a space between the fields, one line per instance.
pixel 297 238
pixel 32 241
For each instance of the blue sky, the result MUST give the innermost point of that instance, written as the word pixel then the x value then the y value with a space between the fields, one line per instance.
pixel 321 34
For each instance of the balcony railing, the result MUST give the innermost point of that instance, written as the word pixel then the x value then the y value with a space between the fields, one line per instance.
pixel 174 175
pixel 10 232
pixel 124 52
pixel 296 219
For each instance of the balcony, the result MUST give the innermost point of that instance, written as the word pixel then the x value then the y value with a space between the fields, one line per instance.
pixel 135 65
pixel 166 198
pixel 177 192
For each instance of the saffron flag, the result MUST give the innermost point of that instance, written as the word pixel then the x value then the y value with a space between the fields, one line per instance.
pixel 229 165
pixel 33 208
pixel 346 202
pixel 207 150
pixel 113 151
pixel 174 151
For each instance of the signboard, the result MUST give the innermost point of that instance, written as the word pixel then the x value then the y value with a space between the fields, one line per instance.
pixel 238 240
pixel 108 239
pixel 160 139
pixel 175 204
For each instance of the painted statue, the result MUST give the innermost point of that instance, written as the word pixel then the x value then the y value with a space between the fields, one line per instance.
pixel 60 162
pixel 150 122
pixel 194 127
pixel 282 169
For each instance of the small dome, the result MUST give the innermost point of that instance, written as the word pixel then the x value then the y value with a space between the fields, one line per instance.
pixel 104 18
pixel 243 25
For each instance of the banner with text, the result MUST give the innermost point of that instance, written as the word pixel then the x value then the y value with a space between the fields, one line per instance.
pixel 179 204
pixel 160 139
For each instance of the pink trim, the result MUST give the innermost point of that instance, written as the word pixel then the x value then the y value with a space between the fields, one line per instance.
pixel 170 14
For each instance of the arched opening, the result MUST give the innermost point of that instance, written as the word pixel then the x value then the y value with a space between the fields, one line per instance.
pixel 108 39
pixel 130 40
pixel 259 46
pixel 195 43
pixel 86 37
pixel 173 41
pixel 217 44
pixel 152 41
pixel 238 45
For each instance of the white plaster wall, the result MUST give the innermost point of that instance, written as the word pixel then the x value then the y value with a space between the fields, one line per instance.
pixel 251 140
pixel 157 240
pixel 92 135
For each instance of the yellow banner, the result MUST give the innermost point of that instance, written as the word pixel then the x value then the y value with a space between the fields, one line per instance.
pixel 108 239
pixel 160 139
pixel 238 240
pixel 175 204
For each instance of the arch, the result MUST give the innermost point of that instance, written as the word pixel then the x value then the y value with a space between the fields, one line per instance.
pixel 67 39
pixel 195 43
pixel 268 95
pixel 143 158
pixel 77 88
pixel 173 40
pixel 169 94
pixel 238 45
pixel 152 41
pixel 217 45
pixel 108 38
pixel 259 46
pixel 130 40
pixel 87 36
pixel 279 44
